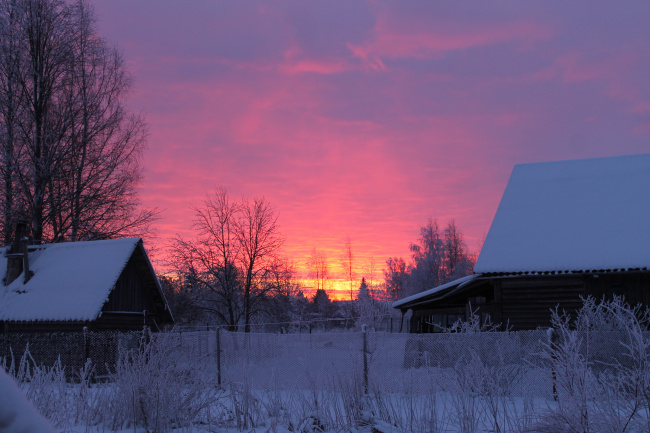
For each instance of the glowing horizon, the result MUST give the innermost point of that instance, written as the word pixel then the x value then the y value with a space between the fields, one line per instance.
pixel 338 289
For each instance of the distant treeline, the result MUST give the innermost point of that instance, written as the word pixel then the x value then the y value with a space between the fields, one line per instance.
pixel 439 256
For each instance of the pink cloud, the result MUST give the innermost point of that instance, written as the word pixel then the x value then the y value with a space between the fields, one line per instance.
pixel 315 66
pixel 397 42
pixel 641 107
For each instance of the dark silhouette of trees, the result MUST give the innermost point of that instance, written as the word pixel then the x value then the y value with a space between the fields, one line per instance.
pixel 233 258
pixel 437 258
pixel 180 298
pixel 322 305
pixel 396 278
pixel 285 302
pixel 69 150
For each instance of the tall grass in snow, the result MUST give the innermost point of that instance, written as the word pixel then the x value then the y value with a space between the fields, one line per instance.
pixel 468 382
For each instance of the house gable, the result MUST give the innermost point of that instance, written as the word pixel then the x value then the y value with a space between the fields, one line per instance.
pixel 137 298
pixel 73 284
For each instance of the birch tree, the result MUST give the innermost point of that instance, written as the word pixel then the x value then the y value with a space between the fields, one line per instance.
pixel 438 257
pixel 69 150
pixel 11 110
pixel 395 277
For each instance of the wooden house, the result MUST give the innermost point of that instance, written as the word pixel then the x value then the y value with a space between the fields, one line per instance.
pixel 96 285
pixel 563 230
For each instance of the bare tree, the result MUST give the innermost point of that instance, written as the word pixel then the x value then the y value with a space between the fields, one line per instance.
pixel 259 241
pixel 45 38
pixel 11 110
pixel 69 150
pixel 318 268
pixel 101 161
pixel 232 257
pixel 347 259
pixel 209 261
pixel 371 270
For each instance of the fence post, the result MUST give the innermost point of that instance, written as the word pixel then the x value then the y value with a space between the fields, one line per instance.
pixel 219 355
pixel 86 348
pixel 364 333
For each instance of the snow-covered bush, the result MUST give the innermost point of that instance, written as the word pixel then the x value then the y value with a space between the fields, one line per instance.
pixel 44 386
pixel 487 368
pixel 601 368
pixel 155 387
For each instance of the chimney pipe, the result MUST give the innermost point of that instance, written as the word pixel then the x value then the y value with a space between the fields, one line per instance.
pixel 28 274
pixel 15 259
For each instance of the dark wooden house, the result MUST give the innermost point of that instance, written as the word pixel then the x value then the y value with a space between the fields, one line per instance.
pixel 563 230
pixel 96 285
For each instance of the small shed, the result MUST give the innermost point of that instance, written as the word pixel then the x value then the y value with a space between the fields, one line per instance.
pixel 96 285
pixel 563 230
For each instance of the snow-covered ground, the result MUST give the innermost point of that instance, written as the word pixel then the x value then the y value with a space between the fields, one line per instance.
pixel 316 383
pixel 17 415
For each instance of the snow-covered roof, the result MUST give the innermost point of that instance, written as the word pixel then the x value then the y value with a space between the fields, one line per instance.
pixel 427 294
pixel 572 216
pixel 71 281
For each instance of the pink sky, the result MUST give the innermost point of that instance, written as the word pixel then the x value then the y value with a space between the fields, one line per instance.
pixel 365 118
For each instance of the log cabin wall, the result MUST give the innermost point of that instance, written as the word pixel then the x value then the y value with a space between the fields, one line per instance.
pixel 634 286
pixel 435 320
pixel 526 302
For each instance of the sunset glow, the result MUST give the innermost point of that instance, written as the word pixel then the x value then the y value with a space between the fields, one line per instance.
pixel 363 119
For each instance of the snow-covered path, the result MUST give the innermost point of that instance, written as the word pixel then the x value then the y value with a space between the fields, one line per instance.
pixel 17 415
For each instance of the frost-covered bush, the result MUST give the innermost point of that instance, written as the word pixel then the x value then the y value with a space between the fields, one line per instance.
pixel 601 369
pixel 155 387
pixel 44 386
pixel 152 386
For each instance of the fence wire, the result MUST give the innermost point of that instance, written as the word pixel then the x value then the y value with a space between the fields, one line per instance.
pixel 394 362
pixel 71 349
pixel 391 362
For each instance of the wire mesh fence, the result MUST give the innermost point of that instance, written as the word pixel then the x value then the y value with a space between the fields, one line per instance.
pixel 388 362
pixel 380 361
pixel 71 349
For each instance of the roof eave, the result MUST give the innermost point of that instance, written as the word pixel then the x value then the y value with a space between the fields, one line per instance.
pixel 436 295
